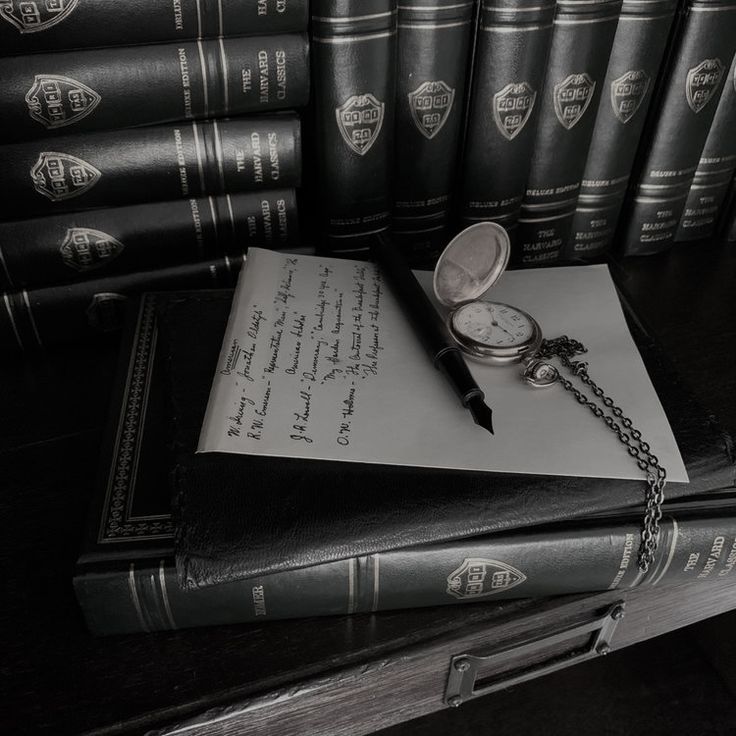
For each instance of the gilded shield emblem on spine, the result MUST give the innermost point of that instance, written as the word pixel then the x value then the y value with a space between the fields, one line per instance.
pixel 477 578
pixel 85 249
pixel 572 98
pixel 56 101
pixel 59 176
pixel 702 83
pixel 31 16
pixel 627 94
pixel 512 108
pixel 359 120
pixel 430 104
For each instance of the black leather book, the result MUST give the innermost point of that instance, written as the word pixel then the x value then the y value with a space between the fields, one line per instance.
pixel 509 69
pixel 715 169
pixel 678 125
pixel 354 82
pixel 581 44
pixel 636 57
pixel 78 246
pixel 33 26
pixel 114 168
pixel 126 577
pixel 45 95
pixel 39 318
pixel 310 511
pixel 434 44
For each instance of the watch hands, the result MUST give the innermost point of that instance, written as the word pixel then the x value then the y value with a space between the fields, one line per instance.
pixel 496 324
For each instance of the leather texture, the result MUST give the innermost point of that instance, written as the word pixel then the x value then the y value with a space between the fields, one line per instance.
pixel 161 162
pixel 434 44
pixel 95 23
pixel 245 516
pixel 679 125
pixel 715 170
pixel 30 320
pixel 353 57
pixel 581 46
pixel 77 246
pixel 508 75
pixel 636 56
pixel 103 89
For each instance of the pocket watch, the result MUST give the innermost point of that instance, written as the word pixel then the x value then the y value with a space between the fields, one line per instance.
pixel 494 332
pixel 502 334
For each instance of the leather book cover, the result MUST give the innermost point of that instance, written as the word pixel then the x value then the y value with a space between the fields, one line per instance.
pixel 633 69
pixel 581 45
pixel 354 73
pixel 678 126
pixel 33 26
pixel 93 244
pixel 312 512
pixel 434 44
pixel 183 160
pixel 47 95
pixel 512 47
pixel 126 575
pixel 715 169
pixel 33 320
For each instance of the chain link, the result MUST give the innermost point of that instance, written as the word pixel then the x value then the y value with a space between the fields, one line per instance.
pixel 565 349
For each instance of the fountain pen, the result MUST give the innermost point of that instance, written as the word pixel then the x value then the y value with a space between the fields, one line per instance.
pixel 430 328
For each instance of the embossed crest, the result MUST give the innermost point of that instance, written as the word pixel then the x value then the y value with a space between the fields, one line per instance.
pixel 360 119
pixel 31 16
pixel 572 98
pixel 106 311
pixel 627 94
pixel 59 176
pixel 56 101
pixel 430 105
pixel 702 83
pixel 512 108
pixel 85 249
pixel 478 578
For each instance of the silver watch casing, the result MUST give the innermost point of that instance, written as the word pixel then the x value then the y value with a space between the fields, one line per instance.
pixel 468 267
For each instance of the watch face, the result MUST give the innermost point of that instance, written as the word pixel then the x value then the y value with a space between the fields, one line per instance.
pixel 489 325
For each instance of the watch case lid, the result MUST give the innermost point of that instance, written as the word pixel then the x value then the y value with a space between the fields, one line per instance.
pixel 471 263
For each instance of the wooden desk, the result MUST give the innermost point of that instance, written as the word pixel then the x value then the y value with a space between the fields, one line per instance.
pixel 343 675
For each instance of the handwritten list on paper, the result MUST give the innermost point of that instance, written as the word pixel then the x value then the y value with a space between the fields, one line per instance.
pixel 294 370
pixel 319 362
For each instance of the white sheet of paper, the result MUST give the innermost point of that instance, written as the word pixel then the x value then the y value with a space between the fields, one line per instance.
pixel 319 361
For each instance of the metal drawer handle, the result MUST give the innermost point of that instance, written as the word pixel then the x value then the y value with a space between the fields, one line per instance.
pixel 464 668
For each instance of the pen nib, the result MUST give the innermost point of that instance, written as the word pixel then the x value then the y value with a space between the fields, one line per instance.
pixel 482 414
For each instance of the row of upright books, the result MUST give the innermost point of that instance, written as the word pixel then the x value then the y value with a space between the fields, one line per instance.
pixel 575 124
pixel 144 146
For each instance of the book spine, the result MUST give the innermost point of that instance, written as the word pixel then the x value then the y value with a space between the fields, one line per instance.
pixel 636 57
pixel 33 26
pixel 145 596
pixel 31 320
pixel 122 167
pixel 513 41
pixel 94 244
pixel 46 95
pixel 433 46
pixel 679 126
pixel 354 61
pixel 715 169
pixel 581 45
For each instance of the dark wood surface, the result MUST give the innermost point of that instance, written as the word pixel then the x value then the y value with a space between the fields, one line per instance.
pixel 56 679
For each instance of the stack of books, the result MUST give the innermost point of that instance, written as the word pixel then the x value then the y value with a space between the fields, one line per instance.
pixel 144 145
pixel 573 124
pixel 330 538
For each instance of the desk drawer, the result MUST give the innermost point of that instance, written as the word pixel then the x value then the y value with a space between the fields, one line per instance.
pixel 511 645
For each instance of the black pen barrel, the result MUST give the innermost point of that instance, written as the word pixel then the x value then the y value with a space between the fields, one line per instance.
pixel 425 319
